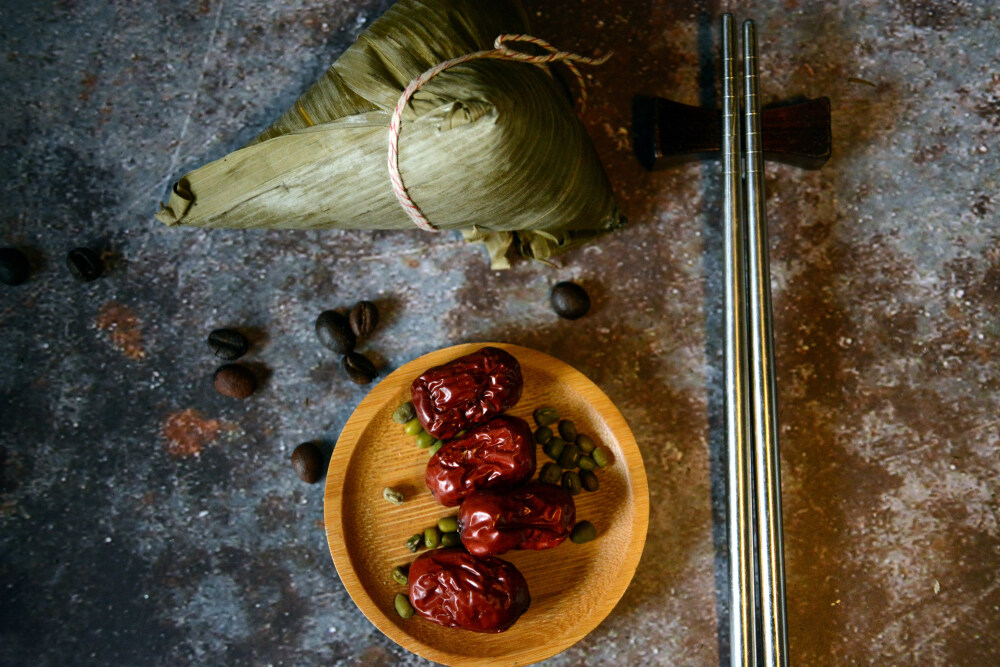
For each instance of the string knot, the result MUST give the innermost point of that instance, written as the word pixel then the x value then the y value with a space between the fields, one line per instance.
pixel 500 51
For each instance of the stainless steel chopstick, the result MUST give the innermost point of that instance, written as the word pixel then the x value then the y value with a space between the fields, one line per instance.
pixel 742 622
pixel 767 480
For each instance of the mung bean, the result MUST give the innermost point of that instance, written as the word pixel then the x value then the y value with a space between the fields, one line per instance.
pixel 413 427
pixel 583 532
pixel 404 413
pixel 403 606
pixel 571 482
pixel 546 416
pixel 567 430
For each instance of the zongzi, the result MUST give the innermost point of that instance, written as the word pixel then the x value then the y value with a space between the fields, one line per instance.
pixel 491 147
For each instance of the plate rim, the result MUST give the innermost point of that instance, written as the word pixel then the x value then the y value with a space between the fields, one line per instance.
pixel 333 515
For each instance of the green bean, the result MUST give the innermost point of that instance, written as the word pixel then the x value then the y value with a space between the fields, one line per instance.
pixel 586 463
pixel 543 435
pixel 554 448
pixel 415 542
pixel 404 413
pixel 432 537
pixel 392 495
pixel 448 524
pixel 589 481
pixel 425 440
pixel 403 606
pixel 399 575
pixel 413 427
pixel 583 532
pixel 435 447
pixel 601 456
pixel 546 416
pixel 450 540
pixel 585 443
pixel 550 474
pixel 571 482
pixel 567 430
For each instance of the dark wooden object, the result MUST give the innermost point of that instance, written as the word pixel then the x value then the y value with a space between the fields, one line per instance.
pixel 666 133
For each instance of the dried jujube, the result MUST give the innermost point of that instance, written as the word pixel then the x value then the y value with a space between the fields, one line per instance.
pixel 455 589
pixel 497 454
pixel 533 516
pixel 467 391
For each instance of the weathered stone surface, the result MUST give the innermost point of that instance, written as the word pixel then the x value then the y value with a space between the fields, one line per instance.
pixel 144 519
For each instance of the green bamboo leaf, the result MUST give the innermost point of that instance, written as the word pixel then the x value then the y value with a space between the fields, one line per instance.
pixel 490 147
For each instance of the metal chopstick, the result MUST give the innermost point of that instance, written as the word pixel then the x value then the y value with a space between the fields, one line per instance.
pixel 767 480
pixel 742 621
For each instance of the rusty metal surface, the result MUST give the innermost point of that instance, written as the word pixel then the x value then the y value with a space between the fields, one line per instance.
pixel 144 519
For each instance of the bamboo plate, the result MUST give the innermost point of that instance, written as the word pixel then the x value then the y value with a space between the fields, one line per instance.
pixel 573 587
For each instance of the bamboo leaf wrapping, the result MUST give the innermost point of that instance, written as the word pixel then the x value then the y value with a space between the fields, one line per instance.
pixel 490 147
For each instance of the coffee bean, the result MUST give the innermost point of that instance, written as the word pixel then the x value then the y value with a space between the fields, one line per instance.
pixel 307 460
pixel 234 381
pixel 569 300
pixel 84 264
pixel 361 370
pixel 334 332
pixel 228 344
pixel 364 318
pixel 14 267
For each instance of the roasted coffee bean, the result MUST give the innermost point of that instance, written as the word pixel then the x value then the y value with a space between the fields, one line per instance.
pixel 307 460
pixel 14 267
pixel 364 318
pixel 234 381
pixel 359 368
pixel 84 264
pixel 334 332
pixel 569 300
pixel 228 344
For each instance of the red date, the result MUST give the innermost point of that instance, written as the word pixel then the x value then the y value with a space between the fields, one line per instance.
pixel 534 516
pixel 497 454
pixel 458 590
pixel 467 391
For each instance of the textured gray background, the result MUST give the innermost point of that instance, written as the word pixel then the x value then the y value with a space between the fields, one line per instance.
pixel 144 519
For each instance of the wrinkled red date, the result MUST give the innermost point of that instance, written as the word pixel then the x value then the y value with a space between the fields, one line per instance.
pixel 467 391
pixel 458 590
pixel 497 454
pixel 534 516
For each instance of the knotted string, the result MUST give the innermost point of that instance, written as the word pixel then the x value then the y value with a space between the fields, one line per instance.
pixel 500 52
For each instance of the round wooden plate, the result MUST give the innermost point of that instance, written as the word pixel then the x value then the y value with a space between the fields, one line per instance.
pixel 573 587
